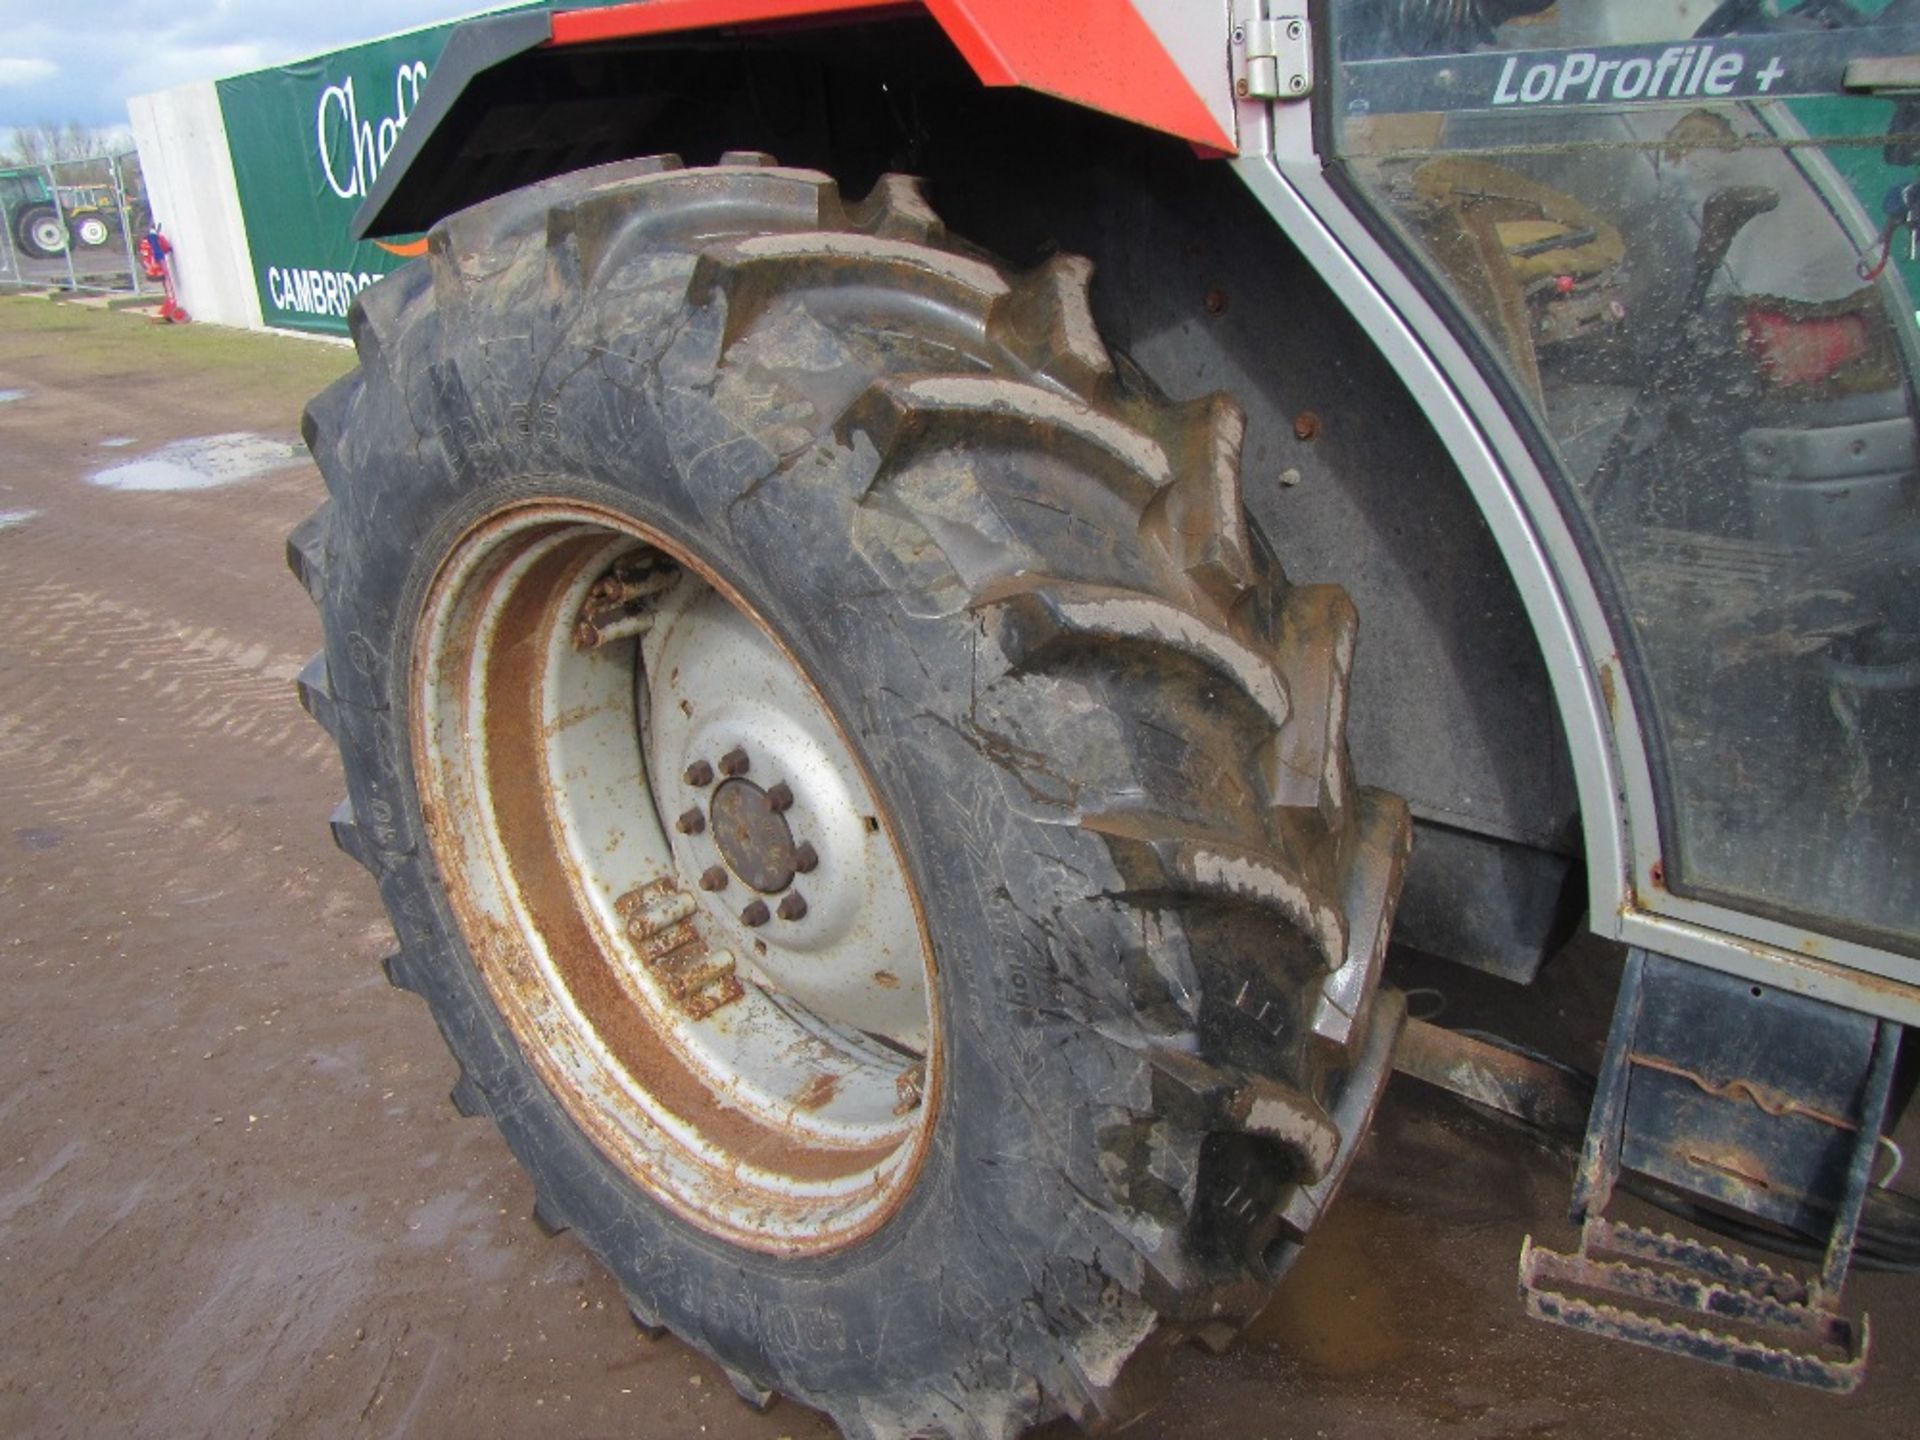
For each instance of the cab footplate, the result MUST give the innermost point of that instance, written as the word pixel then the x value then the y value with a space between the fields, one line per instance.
pixel 1651 1289
pixel 1760 1102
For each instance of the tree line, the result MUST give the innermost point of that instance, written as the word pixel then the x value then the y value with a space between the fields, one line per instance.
pixel 61 142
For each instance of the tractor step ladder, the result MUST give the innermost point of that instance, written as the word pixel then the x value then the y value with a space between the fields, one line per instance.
pixel 1761 1101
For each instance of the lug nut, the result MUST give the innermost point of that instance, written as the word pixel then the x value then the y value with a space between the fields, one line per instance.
pixel 805 857
pixel 699 775
pixel 714 877
pixel 734 762
pixel 793 905
pixel 779 798
pixel 754 914
pixel 691 823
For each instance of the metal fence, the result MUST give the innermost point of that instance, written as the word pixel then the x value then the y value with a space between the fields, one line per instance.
pixel 74 225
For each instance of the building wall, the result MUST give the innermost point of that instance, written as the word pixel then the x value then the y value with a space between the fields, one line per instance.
pixel 188 166
pixel 257 178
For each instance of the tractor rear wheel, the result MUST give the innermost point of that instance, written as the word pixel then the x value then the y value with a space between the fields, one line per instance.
pixel 41 233
pixel 871 822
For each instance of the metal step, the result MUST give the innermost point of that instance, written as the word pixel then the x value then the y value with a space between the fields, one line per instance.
pixel 1628 1276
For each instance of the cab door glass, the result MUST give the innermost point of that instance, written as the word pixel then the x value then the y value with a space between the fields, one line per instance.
pixel 1688 251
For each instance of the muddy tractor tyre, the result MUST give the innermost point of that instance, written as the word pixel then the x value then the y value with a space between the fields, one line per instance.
pixel 870 821
pixel 41 233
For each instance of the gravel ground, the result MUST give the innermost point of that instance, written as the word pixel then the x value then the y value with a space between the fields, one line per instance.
pixel 233 1197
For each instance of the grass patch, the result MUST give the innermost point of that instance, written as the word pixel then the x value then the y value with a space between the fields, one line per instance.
pixel 73 344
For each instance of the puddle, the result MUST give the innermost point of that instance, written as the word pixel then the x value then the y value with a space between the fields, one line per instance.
pixel 115 442
pixel 11 518
pixel 1340 1311
pixel 202 464
pixel 6 395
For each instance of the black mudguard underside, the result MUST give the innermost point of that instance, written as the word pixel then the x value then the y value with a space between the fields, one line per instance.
pixel 504 109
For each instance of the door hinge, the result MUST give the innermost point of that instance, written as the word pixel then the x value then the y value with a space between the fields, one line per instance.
pixel 1273 50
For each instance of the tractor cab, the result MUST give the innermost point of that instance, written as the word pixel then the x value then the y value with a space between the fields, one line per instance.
pixel 1679 242
pixel 1681 237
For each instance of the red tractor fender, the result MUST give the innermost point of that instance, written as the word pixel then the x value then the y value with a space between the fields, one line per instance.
pixel 1161 64
pixel 1103 54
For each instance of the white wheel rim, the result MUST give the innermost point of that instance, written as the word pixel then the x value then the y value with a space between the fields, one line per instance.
pixel 769 1076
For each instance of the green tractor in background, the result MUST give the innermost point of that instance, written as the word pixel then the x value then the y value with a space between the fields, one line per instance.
pixel 31 213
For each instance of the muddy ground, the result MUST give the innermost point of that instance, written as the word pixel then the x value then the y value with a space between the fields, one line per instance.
pixel 233 1197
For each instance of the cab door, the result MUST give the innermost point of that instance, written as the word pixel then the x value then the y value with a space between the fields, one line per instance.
pixel 1679 242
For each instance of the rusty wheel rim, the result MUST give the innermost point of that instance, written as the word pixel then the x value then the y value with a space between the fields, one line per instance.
pixel 675 878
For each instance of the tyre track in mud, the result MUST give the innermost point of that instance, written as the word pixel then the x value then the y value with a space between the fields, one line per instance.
pixel 142 682
pixel 176 676
pixel 119 609
pixel 233 1197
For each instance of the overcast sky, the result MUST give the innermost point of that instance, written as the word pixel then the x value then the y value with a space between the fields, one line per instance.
pixel 79 60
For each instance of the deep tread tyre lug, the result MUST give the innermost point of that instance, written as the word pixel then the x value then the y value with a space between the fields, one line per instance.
pixel 897 209
pixel 1367 1081
pixel 354 842
pixel 398 969
pixel 1309 753
pixel 645 1319
pixel 1040 612
pixel 750 274
pixel 306 553
pixel 1050 320
pixel 316 694
pixel 324 421
pixel 750 1391
pixel 549 1220
pixel 575 209
pixel 1225 1101
pixel 468 1099
pixel 1200 518
pixel 1224 867
pixel 1376 863
pixel 906 417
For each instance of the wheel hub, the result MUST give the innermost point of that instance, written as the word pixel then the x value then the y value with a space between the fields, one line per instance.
pixel 810 891
pixel 753 835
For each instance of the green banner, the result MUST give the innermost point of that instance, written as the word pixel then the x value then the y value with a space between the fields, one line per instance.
pixel 308 140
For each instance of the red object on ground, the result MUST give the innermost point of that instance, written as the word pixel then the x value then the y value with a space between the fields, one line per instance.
pixel 156 259
pixel 1098 53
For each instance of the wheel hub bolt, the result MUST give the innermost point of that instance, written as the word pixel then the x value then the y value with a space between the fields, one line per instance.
pixel 793 906
pixel 691 822
pixel 714 877
pixel 734 762
pixel 699 775
pixel 779 798
pixel 755 914
pixel 805 857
